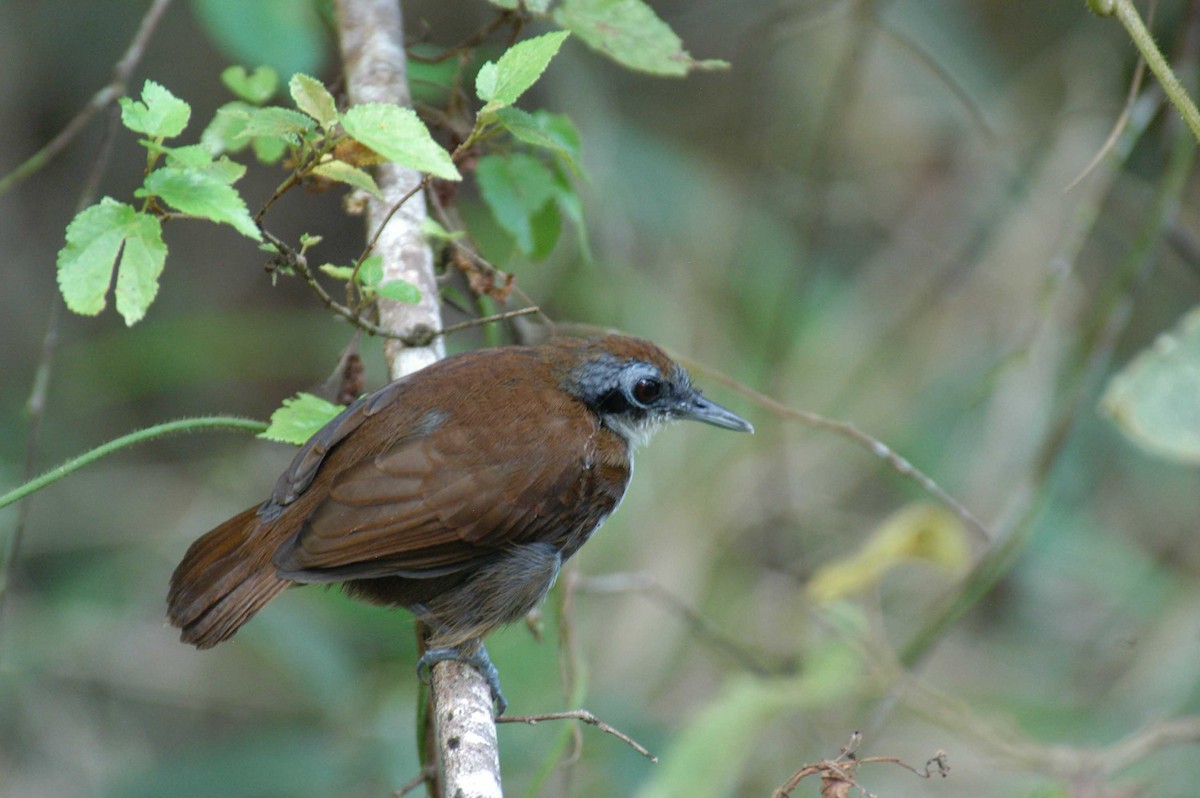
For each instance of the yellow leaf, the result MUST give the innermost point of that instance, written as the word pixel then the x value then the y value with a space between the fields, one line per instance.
pixel 921 532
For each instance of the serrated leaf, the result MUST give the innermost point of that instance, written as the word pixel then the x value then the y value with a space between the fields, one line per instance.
pixel 545 130
pixel 256 87
pixel 515 188
pixel 1155 399
pixel 400 136
pixel 629 32
pixel 500 84
pixel 299 418
pixel 201 193
pixel 280 123
pixel 399 290
pixel 485 81
pixel 192 156
pixel 159 114
pixel 95 238
pixel 224 134
pixel 314 99
pixel 919 532
pixel 351 175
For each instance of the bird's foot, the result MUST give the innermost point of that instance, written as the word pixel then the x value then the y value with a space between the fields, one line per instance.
pixel 477 658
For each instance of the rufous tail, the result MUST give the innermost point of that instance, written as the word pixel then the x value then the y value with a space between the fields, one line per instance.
pixel 224 579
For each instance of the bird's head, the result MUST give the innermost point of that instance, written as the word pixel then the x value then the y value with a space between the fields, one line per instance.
pixel 635 388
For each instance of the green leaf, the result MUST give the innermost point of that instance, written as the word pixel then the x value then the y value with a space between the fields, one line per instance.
pixel 629 32
pixel 399 136
pixel 434 231
pixel 287 35
pixel 351 175
pixel 195 156
pixel 281 123
pixel 431 83
pixel 159 114
pixel 95 238
pixel 224 134
pixel 203 193
pixel 299 418
pixel 546 227
pixel 572 208
pixel 314 99
pixel 337 272
pixel 254 88
pixel 500 83
pixel 370 273
pixel 399 290
pixel 1155 399
pixel 267 149
pixel 724 737
pixel 515 188
pixel 554 132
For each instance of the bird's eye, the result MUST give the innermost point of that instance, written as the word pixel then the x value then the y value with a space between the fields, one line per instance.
pixel 646 390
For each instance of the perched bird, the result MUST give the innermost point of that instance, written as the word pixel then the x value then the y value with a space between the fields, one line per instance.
pixel 456 492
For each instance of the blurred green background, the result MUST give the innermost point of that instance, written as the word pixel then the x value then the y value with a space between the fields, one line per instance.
pixel 865 217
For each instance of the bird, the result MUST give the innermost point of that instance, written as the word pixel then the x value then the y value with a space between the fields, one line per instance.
pixel 456 492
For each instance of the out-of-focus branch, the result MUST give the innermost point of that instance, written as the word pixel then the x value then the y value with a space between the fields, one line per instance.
pixel 35 405
pixel 102 99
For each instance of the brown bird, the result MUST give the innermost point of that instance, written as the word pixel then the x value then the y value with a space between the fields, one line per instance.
pixel 456 492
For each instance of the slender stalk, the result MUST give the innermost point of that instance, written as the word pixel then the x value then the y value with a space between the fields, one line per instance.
pixel 124 442
pixel 1127 13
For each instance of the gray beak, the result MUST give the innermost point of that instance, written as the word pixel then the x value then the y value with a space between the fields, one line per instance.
pixel 697 408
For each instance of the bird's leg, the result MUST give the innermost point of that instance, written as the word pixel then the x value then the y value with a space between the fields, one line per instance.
pixel 475 655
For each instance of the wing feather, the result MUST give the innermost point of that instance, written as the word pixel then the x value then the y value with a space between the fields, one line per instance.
pixel 426 507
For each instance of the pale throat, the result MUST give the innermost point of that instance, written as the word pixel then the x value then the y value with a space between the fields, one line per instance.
pixel 636 432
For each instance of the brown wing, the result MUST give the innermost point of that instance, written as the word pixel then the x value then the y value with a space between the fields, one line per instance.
pixel 436 503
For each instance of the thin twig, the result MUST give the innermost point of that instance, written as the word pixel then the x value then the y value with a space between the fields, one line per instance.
pixel 703 627
pixel 848 430
pixel 416 781
pixel 588 718
pixel 927 59
pixel 396 206
pixel 1135 86
pixel 471 42
pixel 840 771
pixel 36 403
pixel 99 101
pixel 495 317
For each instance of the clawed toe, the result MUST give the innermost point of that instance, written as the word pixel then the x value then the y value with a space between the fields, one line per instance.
pixel 477 658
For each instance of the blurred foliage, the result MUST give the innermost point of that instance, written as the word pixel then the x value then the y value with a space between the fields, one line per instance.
pixel 864 216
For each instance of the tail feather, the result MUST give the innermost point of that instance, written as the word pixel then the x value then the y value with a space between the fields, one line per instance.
pixel 222 582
